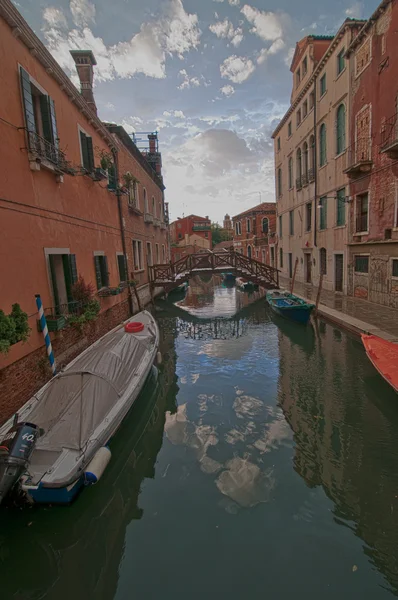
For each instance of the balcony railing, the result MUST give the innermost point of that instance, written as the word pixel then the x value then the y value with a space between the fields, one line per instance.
pixel 311 175
pixel 359 157
pixel 200 227
pixel 42 149
pixel 299 184
pixel 304 179
pixel 163 225
pixel 389 137
pixel 148 218
pixel 361 223
pixel 156 222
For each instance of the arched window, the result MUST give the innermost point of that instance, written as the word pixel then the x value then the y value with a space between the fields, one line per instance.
pixel 298 167
pixel 265 225
pixel 322 145
pixel 305 160
pixel 340 129
pixel 249 251
pixel 279 183
pixel 248 225
pixel 153 206
pixel 312 154
pixel 291 173
pixel 146 208
pixel 322 260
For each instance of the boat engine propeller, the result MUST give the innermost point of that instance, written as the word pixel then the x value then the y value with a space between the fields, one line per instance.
pixel 15 453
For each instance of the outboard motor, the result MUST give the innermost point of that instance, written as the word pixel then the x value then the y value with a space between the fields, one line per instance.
pixel 15 454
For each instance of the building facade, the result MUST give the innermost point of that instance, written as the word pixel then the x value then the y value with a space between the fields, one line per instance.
pixel 254 232
pixel 65 204
pixel 373 165
pixel 310 145
pixel 189 235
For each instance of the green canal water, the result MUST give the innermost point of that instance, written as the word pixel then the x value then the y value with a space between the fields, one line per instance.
pixel 261 462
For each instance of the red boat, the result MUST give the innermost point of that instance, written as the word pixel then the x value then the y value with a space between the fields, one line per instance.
pixel 384 356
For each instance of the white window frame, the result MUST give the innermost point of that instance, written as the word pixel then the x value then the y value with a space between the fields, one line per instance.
pixel 138 245
pixel 82 130
pixel 148 244
pixel 248 226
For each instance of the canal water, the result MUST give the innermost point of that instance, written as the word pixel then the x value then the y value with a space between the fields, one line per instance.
pixel 260 462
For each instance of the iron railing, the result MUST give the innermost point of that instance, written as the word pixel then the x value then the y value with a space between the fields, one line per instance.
pixel 359 153
pixel 361 223
pixel 304 179
pixel 311 175
pixel 389 133
pixel 299 184
pixel 45 150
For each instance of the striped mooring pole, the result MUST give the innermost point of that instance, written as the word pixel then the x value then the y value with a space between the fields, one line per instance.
pixel 44 328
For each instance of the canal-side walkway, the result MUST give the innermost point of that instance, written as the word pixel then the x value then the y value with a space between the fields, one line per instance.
pixel 355 314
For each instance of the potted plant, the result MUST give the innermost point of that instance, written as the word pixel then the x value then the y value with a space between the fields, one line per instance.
pixel 14 328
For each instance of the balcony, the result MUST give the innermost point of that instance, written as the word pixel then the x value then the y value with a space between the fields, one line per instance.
pixel 148 218
pixel 299 184
pixel 359 158
pixel 304 179
pixel 201 227
pixel 311 175
pixel 163 225
pixel 133 205
pixel 156 222
pixel 361 224
pixel 41 150
pixel 389 137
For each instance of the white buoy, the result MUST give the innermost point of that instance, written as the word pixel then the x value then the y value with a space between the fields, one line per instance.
pixel 97 465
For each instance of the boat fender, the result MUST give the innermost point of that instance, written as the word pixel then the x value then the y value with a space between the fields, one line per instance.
pixel 159 358
pixel 134 327
pixel 97 465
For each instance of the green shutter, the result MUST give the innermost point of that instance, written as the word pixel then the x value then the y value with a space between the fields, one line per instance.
pixel 121 260
pixel 83 143
pixel 98 277
pixel 45 118
pixel 73 268
pixel 105 271
pixel 111 177
pixel 53 119
pixel 54 282
pixel 68 277
pixel 28 101
pixel 90 154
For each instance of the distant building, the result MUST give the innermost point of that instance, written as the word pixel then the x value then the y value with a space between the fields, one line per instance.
pixel 227 245
pixel 254 232
pixel 189 235
pixel 227 223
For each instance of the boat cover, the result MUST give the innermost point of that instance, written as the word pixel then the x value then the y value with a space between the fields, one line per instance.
pixel 77 400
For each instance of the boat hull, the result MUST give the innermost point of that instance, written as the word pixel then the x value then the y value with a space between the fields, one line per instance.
pixel 384 357
pixel 290 307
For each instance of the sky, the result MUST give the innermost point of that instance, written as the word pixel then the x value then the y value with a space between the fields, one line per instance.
pixel 211 76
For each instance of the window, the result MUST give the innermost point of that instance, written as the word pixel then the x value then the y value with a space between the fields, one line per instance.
pixel 157 254
pixel 340 207
pixel 278 143
pixel 298 117
pixel 305 66
pixel 298 168
pixel 361 264
pixel 362 206
pixel 137 255
pixel 101 271
pixel 63 275
pixel 149 260
pixel 248 225
pixel 280 226
pixel 290 256
pixel 163 253
pixel 298 77
pixel 146 207
pixel 312 98
pixel 322 85
pixel 289 129
pixel 305 108
pixel 308 216
pixel 153 206
pixel 133 194
pixel 238 228
pixel 322 145
pixel 291 222
pixel 322 260
pixel 281 258
pixel 305 161
pixel 264 225
pixel 122 266
pixel 312 156
pixel 279 183
pixel 40 119
pixel 290 173
pixel 340 61
pixel 394 267
pixel 322 211
pixel 340 129
pixel 87 153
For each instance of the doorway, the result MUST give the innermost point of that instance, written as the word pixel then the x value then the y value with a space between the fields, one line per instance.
pixel 290 265
pixel 338 272
pixel 308 266
pixel 249 251
pixel 63 274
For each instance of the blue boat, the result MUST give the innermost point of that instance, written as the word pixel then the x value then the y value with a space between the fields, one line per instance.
pixel 230 277
pixel 290 306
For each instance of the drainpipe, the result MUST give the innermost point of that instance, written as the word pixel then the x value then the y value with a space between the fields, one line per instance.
pixel 122 233
pixel 315 164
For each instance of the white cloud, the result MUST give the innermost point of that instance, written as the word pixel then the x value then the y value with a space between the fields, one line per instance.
pixel 174 113
pixel 289 57
pixel 225 29
pixel 175 32
pixel 227 90
pixel 83 12
pixel 267 25
pixel 237 68
pixel 234 2
pixel 110 106
pixel 355 11
pixel 188 82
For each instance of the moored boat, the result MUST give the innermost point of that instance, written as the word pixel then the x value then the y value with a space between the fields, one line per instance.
pixel 180 288
pixel 57 441
pixel 245 286
pixel 384 357
pixel 289 306
pixel 228 277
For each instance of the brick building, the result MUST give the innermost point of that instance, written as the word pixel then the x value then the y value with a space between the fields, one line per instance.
pixel 189 235
pixel 73 201
pixel 373 154
pixel 254 232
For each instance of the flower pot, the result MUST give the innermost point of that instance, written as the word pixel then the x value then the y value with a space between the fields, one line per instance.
pixel 54 323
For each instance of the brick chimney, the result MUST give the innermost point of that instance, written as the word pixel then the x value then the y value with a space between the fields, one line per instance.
pixel 85 61
pixel 154 156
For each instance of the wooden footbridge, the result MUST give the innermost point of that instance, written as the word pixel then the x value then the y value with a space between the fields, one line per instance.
pixel 171 275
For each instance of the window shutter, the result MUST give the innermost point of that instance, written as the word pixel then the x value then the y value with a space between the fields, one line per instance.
pixel 90 153
pixel 106 271
pixel 27 101
pixel 54 281
pixel 83 143
pixel 53 120
pixel 73 268
pixel 45 118
pixel 112 177
pixel 121 260
pixel 98 277
pixel 67 276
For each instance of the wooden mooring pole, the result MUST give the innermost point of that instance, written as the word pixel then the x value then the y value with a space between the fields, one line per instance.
pixel 294 275
pixel 318 296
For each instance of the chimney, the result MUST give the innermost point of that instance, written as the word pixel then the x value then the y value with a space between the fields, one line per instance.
pixel 85 61
pixel 154 156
